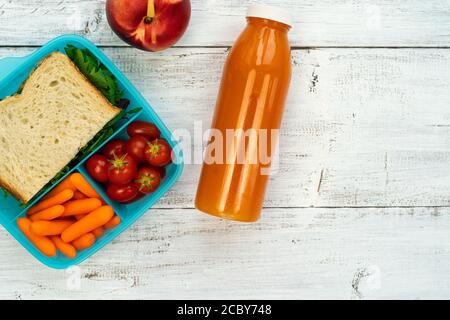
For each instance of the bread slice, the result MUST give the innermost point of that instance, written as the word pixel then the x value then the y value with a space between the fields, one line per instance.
pixel 42 129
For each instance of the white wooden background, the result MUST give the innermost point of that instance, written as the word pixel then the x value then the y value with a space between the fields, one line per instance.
pixel 360 207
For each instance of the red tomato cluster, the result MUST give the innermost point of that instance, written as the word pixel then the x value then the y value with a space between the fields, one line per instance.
pixel 133 168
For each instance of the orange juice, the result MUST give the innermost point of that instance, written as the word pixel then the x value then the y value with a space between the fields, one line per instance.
pixel 250 103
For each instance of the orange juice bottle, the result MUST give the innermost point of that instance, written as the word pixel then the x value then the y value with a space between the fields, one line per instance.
pixel 247 117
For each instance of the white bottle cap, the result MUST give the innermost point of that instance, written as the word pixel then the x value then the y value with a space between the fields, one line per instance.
pixel 270 12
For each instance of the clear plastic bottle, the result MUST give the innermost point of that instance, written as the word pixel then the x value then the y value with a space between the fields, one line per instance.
pixel 252 95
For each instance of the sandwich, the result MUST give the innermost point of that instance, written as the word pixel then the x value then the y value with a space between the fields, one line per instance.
pixel 57 112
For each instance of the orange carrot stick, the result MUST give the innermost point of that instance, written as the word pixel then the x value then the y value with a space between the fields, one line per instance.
pixel 80 216
pixel 59 198
pixel 83 206
pixel 50 228
pixel 98 232
pixel 48 214
pixel 93 220
pixel 44 244
pixel 63 185
pixel 83 186
pixel 77 195
pixel 112 223
pixel 66 248
pixel 84 242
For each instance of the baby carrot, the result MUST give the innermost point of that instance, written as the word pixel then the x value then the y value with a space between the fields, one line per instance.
pixel 83 206
pixel 48 214
pixel 59 198
pixel 66 248
pixel 80 216
pixel 112 223
pixel 98 232
pixel 49 228
pixel 77 195
pixel 83 186
pixel 84 242
pixel 93 220
pixel 63 185
pixel 44 244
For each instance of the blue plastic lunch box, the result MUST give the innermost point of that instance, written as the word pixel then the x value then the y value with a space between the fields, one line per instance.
pixel 13 71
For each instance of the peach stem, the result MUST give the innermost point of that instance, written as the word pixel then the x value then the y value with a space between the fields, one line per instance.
pixel 150 11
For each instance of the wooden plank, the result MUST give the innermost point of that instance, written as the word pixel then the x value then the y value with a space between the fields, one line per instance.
pixel 370 126
pixel 217 23
pixel 291 254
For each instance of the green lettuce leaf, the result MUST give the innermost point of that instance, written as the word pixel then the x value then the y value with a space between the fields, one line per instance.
pixel 96 73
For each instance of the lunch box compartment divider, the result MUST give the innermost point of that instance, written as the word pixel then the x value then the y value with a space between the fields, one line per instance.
pixel 12 72
pixel 123 124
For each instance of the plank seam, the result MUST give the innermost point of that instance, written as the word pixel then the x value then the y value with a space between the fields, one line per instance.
pixel 292 47
pixel 322 207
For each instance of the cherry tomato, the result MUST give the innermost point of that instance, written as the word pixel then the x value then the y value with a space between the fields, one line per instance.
pixel 158 153
pixel 122 193
pixel 97 167
pixel 146 129
pixel 147 180
pixel 138 197
pixel 135 147
pixel 116 147
pixel 122 169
